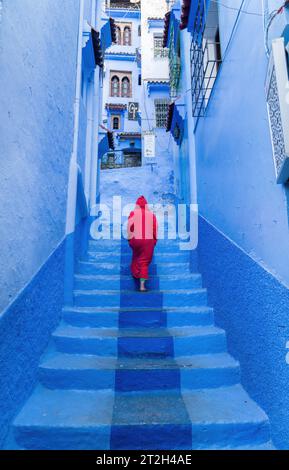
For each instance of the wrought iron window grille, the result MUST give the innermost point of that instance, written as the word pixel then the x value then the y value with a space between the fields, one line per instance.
pixel 175 74
pixel 159 51
pixel 205 61
pixel 161 112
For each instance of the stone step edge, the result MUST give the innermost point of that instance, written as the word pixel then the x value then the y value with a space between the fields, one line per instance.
pixel 177 309
pixel 133 292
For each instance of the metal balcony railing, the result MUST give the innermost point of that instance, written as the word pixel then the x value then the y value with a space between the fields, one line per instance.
pixel 124 4
pixel 121 159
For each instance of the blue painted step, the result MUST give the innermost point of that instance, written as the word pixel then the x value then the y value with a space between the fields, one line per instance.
pixel 157 342
pixel 134 318
pixel 116 257
pixel 126 298
pixel 162 246
pixel 94 420
pixel 86 372
pixel 88 267
pixel 127 370
pixel 117 282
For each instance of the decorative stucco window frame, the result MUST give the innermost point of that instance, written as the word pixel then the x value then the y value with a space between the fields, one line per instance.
pixel 277 95
pixel 116 109
pixel 121 75
pixel 122 26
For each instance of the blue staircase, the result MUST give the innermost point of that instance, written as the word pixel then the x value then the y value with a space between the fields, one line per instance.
pixel 130 370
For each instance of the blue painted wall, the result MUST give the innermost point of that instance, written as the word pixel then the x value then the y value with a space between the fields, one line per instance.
pixel 25 328
pixel 37 90
pixel 243 245
pixel 252 306
pixel 37 87
pixel 237 191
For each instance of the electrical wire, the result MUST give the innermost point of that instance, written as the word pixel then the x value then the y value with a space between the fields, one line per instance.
pixel 246 12
pixel 270 20
pixel 240 11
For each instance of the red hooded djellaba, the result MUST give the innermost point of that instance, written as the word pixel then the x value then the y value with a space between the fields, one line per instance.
pixel 142 237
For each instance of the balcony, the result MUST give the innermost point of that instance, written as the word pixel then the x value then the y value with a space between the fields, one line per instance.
pixel 123 4
pixel 127 158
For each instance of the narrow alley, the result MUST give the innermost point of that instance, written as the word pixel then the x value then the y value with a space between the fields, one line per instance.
pixel 114 99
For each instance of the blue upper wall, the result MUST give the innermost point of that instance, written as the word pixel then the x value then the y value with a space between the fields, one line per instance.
pixel 237 191
pixel 37 87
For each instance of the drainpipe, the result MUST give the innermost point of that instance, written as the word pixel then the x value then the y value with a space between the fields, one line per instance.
pixel 97 109
pixel 73 176
pixel 94 186
pixel 95 122
pixel 93 13
pixel 73 169
pixel 90 118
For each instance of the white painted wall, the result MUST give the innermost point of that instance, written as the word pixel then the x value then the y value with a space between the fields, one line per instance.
pixel 152 68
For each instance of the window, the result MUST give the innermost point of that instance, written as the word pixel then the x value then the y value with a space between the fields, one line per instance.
pixel 206 58
pixel 127 36
pixel 118 35
pixel 159 50
pixel 124 33
pixel 161 111
pixel 120 83
pixel 115 123
pixel 125 87
pixel 139 79
pixel 139 30
pixel 115 86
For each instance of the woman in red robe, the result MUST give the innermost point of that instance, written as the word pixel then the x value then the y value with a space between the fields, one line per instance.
pixel 142 236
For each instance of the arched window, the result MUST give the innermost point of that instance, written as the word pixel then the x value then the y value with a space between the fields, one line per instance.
pixel 115 123
pixel 127 36
pixel 118 35
pixel 115 86
pixel 125 88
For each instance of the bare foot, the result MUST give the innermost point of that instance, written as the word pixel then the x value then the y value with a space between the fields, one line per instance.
pixel 142 286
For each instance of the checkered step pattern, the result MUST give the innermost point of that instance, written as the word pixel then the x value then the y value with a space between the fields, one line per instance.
pixel 130 370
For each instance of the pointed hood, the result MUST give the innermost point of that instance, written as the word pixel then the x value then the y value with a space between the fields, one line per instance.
pixel 141 202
